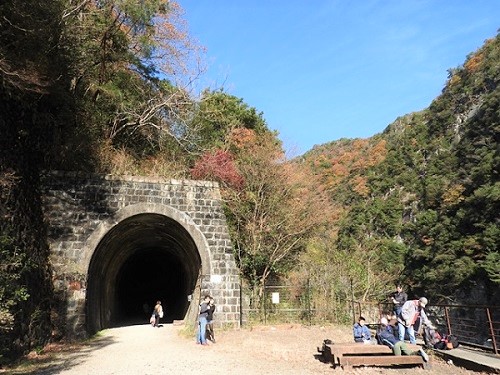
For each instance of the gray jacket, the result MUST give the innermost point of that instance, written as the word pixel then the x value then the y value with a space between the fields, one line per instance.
pixel 410 312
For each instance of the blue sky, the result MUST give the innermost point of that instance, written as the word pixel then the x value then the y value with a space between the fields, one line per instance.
pixel 321 70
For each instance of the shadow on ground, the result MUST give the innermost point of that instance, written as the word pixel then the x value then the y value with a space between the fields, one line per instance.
pixel 58 357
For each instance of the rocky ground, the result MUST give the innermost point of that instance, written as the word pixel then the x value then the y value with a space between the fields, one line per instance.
pixel 279 349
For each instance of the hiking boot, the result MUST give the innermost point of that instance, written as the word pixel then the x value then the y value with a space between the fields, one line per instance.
pixel 423 355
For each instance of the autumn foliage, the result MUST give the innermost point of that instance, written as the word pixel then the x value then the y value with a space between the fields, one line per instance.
pixel 218 165
pixel 104 86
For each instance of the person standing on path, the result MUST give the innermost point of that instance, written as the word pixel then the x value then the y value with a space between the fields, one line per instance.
pixel 158 313
pixel 412 311
pixel 210 318
pixel 201 337
pixel 399 298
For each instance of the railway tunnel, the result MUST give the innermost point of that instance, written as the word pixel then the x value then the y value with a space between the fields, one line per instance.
pixel 144 258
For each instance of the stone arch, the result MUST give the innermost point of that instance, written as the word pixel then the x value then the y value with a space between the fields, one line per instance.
pixel 101 226
pixel 142 253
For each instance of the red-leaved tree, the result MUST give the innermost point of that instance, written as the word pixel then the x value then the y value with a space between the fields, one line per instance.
pixel 218 165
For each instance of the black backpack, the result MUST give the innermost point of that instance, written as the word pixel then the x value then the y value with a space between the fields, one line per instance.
pixel 447 342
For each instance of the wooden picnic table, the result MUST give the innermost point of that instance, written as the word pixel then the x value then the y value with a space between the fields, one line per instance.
pixel 347 355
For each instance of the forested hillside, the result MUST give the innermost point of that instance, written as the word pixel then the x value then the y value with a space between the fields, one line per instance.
pixel 420 203
pixel 107 87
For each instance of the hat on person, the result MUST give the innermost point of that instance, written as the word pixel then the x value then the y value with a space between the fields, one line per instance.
pixel 384 321
pixel 423 301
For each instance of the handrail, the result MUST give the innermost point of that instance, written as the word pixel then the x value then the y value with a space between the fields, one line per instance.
pixel 492 331
pixel 467 322
pixel 465 306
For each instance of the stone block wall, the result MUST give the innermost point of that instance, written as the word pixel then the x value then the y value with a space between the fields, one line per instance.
pixel 80 209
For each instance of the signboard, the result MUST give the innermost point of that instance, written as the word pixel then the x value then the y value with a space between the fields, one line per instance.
pixel 276 297
pixel 216 279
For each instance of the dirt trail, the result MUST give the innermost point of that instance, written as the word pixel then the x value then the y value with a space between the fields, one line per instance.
pixel 143 350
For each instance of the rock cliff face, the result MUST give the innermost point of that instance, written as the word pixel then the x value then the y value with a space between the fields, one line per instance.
pixel 482 293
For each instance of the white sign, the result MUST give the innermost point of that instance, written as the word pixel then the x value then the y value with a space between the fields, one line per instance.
pixel 216 279
pixel 276 297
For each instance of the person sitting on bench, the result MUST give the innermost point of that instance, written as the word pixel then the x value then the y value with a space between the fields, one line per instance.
pixel 385 336
pixel 361 332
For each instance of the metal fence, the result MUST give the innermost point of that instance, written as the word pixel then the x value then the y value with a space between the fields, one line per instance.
pixel 475 325
pixel 280 305
pixel 285 304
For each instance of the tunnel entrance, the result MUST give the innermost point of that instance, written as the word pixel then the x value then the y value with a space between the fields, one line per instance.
pixel 144 258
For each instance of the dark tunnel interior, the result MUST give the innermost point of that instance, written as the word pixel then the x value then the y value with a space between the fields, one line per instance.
pixel 142 259
pixel 148 276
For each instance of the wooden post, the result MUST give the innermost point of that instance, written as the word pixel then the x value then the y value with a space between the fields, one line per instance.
pixel 447 315
pixel 492 332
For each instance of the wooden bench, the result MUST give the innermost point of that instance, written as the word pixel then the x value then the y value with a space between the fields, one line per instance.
pixel 351 354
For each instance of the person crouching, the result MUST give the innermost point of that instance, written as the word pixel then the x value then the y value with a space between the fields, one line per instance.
pixel 361 332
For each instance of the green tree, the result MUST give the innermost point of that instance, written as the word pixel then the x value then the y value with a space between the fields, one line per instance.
pixel 273 214
pixel 218 115
pixel 76 78
pixel 427 209
pixel 130 68
pixel 30 96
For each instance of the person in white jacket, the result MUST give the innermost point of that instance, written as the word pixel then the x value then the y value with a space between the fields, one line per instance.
pixel 410 312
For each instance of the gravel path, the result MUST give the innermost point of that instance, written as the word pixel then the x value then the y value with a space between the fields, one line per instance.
pixel 143 350
pixel 147 350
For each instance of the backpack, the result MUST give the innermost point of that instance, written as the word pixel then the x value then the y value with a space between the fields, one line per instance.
pixel 441 345
pixel 447 342
pixel 453 340
pixel 431 337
